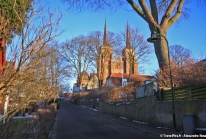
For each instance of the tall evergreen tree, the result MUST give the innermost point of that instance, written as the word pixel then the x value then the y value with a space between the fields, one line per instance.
pixel 12 17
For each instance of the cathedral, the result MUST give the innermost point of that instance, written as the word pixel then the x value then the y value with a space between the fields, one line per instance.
pixel 110 71
pixel 107 65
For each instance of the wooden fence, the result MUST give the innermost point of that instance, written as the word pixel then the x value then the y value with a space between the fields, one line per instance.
pixel 183 93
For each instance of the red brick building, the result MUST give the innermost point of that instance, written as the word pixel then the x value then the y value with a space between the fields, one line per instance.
pixel 2 56
pixel 6 69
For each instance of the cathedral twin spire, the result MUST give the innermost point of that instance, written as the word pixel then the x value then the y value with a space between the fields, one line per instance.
pixel 105 40
pixel 107 66
pixel 128 44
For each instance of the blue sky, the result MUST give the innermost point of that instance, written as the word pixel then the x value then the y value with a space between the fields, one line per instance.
pixel 189 33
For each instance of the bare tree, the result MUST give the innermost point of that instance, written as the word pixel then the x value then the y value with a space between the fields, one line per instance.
pixel 27 81
pixel 47 72
pixel 76 55
pixel 180 55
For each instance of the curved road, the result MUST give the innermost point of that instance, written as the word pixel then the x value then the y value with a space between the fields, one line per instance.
pixel 77 122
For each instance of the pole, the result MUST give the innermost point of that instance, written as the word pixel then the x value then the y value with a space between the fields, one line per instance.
pixel 171 83
pixel 122 72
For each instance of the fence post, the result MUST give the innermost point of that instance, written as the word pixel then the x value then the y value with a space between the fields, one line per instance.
pixel 190 95
pixel 161 94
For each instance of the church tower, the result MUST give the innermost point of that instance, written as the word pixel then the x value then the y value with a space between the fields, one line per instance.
pixel 130 65
pixel 105 58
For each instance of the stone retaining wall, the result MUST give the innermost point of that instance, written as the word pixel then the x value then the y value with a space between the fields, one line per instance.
pixel 147 109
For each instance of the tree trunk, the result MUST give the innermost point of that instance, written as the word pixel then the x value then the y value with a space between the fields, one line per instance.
pixel 150 15
pixel 161 50
pixel 6 104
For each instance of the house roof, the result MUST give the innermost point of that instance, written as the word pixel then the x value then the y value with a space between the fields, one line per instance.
pixel 116 78
pixel 134 77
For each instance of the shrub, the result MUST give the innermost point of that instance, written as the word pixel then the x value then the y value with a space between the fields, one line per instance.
pixel 192 74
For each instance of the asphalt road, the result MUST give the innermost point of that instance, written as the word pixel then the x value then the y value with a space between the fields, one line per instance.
pixel 77 122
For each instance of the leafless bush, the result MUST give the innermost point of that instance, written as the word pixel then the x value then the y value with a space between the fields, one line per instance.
pixel 121 94
pixel 192 74
pixel 110 94
pixel 93 95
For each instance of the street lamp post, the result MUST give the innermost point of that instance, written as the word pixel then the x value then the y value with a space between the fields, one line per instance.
pixel 155 37
pixel 122 72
